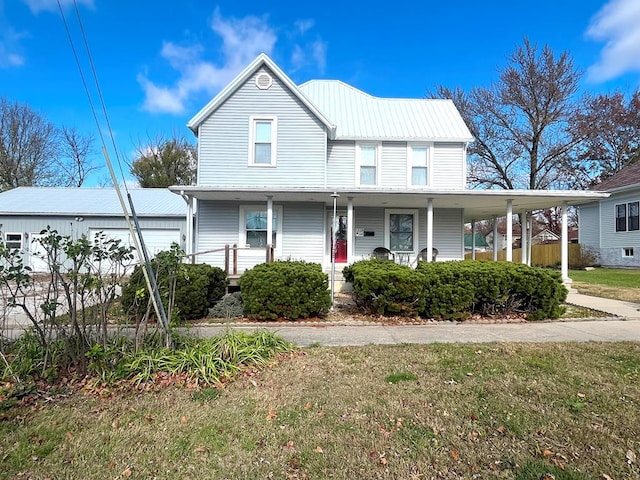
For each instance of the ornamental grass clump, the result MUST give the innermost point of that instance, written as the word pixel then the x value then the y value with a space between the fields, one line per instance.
pixel 285 289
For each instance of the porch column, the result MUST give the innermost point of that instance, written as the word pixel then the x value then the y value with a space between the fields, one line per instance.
pixel 564 245
pixel 495 239
pixel 529 236
pixel 188 248
pixel 429 229
pixel 350 236
pixel 270 221
pixel 524 229
pixel 473 239
pixel 509 256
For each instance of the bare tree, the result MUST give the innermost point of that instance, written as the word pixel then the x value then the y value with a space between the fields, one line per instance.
pixel 28 147
pixel 608 131
pixel 164 161
pixel 75 157
pixel 521 122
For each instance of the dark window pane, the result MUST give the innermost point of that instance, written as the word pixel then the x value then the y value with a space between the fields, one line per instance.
pixel 634 217
pixel 621 217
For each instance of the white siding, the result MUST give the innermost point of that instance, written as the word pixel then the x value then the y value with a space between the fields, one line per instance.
pixel 448 233
pixel 303 232
pixel 448 166
pixel 341 161
pixel 393 165
pixel 369 220
pixel 224 141
pixel 589 225
pixel 609 238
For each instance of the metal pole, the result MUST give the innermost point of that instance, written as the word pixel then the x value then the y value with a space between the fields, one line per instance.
pixel 335 196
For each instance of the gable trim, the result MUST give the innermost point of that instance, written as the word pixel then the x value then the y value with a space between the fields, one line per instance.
pixel 231 88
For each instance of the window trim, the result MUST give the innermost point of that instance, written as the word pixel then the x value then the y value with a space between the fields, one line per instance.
pixel 619 219
pixel 410 147
pixel 627 252
pixel 242 233
pixel 5 241
pixel 378 156
pixel 253 120
pixel 416 230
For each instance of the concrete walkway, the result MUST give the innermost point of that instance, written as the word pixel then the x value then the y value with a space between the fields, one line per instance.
pixel 622 325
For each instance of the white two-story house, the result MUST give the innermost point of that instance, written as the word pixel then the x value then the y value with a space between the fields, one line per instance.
pixel 276 158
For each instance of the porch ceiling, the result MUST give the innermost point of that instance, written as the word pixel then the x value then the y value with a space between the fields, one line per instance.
pixel 477 204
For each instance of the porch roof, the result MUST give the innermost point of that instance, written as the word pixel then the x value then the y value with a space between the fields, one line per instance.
pixel 477 204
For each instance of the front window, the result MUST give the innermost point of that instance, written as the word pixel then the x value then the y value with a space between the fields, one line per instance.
pixel 634 216
pixel 255 228
pixel 263 141
pixel 418 162
pixel 621 217
pixel 368 165
pixel 402 230
pixel 13 241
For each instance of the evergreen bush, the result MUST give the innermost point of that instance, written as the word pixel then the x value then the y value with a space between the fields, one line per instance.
pixel 285 289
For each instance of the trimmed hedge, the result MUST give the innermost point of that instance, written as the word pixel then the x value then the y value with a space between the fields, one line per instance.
pixel 198 288
pixel 456 290
pixel 285 289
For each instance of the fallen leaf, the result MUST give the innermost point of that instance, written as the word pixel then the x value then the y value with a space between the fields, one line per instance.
pixel 631 457
pixel 383 460
pixel 271 415
pixel 254 383
pixel 606 477
pixel 69 436
pixel 502 429
pixel 183 420
pixel 581 395
pixel 547 453
pixel 319 449
pixel 115 424
pixel 200 449
pixel 373 455
pixel 455 455
pixel 126 473
pixel 308 406
pixel 290 445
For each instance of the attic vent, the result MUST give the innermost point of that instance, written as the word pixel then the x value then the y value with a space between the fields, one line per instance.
pixel 263 81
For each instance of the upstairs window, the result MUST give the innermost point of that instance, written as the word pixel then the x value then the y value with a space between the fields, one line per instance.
pixel 621 217
pixel 13 241
pixel 418 163
pixel 634 216
pixel 262 144
pixel 367 165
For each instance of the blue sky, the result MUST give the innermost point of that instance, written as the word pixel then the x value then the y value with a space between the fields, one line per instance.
pixel 159 62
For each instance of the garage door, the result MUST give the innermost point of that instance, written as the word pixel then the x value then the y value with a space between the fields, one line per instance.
pixel 155 239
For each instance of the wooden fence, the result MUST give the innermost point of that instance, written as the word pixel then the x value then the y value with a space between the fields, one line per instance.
pixel 541 255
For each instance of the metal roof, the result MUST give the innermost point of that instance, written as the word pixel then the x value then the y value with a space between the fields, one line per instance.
pixel 358 115
pixel 476 204
pixel 148 202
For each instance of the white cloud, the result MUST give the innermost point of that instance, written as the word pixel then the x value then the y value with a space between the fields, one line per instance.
pixel 242 40
pixel 9 46
pixel 313 54
pixel 303 25
pixel 37 6
pixel 617 24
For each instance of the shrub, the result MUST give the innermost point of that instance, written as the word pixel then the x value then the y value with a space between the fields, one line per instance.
pixel 456 290
pixel 197 288
pixel 285 289
pixel 230 306
pixel 385 288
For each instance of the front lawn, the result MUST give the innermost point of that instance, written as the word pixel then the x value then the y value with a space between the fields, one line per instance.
pixel 514 411
pixel 616 283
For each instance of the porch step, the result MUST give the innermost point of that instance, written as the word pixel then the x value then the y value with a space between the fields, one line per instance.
pixel 340 285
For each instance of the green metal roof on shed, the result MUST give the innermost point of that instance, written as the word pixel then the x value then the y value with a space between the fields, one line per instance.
pixel 148 202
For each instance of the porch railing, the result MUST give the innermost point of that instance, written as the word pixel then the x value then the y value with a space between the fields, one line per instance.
pixel 231 256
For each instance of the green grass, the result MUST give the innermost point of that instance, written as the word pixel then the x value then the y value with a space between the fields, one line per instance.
pixel 615 283
pixel 610 277
pixel 512 411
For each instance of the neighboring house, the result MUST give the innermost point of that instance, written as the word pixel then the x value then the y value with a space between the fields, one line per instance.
pixel 26 211
pixel 501 237
pixel 544 236
pixel 612 226
pixel 481 244
pixel 273 157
